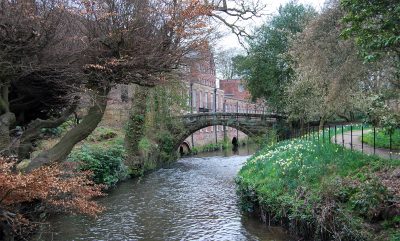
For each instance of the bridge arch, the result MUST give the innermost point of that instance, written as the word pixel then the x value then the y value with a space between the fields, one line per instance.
pixel 249 124
pixel 184 148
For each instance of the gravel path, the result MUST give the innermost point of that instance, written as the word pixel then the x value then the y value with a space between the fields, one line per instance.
pixel 357 145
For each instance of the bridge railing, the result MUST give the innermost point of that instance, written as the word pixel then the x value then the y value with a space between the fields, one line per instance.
pixel 232 115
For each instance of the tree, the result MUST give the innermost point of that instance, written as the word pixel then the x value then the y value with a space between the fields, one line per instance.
pixel 266 68
pixel 37 64
pixel 329 74
pixel 224 62
pixel 374 25
pixel 139 49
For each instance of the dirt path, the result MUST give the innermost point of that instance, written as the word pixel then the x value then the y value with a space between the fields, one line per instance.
pixel 346 140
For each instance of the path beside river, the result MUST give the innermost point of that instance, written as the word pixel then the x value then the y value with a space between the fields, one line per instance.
pixel 354 141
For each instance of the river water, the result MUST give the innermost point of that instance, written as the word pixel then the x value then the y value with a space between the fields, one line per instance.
pixel 193 199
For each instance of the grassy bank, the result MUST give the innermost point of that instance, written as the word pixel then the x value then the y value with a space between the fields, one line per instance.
pixel 382 139
pixel 323 192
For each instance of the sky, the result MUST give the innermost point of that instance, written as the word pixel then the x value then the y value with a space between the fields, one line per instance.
pixel 229 40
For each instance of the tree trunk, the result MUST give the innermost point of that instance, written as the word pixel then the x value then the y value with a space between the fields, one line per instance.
pixel 136 128
pixel 321 123
pixel 344 117
pixel 61 150
pixel 7 119
pixel 34 130
pixel 6 230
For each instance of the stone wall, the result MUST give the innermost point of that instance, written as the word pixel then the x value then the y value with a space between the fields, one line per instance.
pixel 118 106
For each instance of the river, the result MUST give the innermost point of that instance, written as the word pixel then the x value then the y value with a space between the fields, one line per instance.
pixel 193 199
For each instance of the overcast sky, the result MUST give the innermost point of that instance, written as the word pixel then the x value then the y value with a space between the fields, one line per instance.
pixel 230 40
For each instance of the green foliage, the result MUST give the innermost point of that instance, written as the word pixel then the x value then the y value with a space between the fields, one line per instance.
pixel 320 191
pixel 325 84
pixel 106 161
pixel 374 24
pixel 144 144
pixel 382 139
pixel 102 134
pixel 267 68
pixel 166 144
pixel 369 199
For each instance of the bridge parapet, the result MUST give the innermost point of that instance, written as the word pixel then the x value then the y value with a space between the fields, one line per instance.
pixel 238 117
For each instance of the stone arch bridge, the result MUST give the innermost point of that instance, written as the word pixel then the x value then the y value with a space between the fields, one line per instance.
pixel 250 124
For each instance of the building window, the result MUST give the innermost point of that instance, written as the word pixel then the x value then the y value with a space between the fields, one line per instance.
pixel 212 101
pixel 216 103
pixel 206 100
pixel 194 98
pixel 200 99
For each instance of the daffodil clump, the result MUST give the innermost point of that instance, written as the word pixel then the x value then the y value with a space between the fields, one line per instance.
pixel 320 191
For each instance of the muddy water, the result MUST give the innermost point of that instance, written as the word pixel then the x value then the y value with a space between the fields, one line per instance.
pixel 194 199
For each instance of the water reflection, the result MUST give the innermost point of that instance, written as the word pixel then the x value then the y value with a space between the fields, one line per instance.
pixel 194 199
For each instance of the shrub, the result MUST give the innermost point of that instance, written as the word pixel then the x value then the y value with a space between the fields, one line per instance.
pixel 106 162
pixel 56 188
pixel 167 147
pixel 102 134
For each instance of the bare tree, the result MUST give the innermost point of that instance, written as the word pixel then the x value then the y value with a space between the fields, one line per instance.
pixel 35 71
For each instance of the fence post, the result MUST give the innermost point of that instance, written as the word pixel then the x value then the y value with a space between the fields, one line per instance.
pixel 313 133
pixel 342 137
pixel 362 139
pixel 329 133
pixel 351 137
pixel 390 144
pixel 374 139
pixel 335 135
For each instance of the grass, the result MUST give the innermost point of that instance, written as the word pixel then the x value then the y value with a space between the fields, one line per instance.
pixel 318 191
pixel 211 147
pixel 382 139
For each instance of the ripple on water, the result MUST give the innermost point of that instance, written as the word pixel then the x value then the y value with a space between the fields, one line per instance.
pixel 192 200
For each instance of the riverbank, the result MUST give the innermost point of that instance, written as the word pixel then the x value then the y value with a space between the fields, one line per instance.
pixel 322 191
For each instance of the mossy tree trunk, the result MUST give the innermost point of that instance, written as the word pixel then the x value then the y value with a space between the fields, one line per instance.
pixel 136 128
pixel 89 122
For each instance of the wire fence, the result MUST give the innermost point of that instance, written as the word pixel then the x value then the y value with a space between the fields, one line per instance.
pixel 359 137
